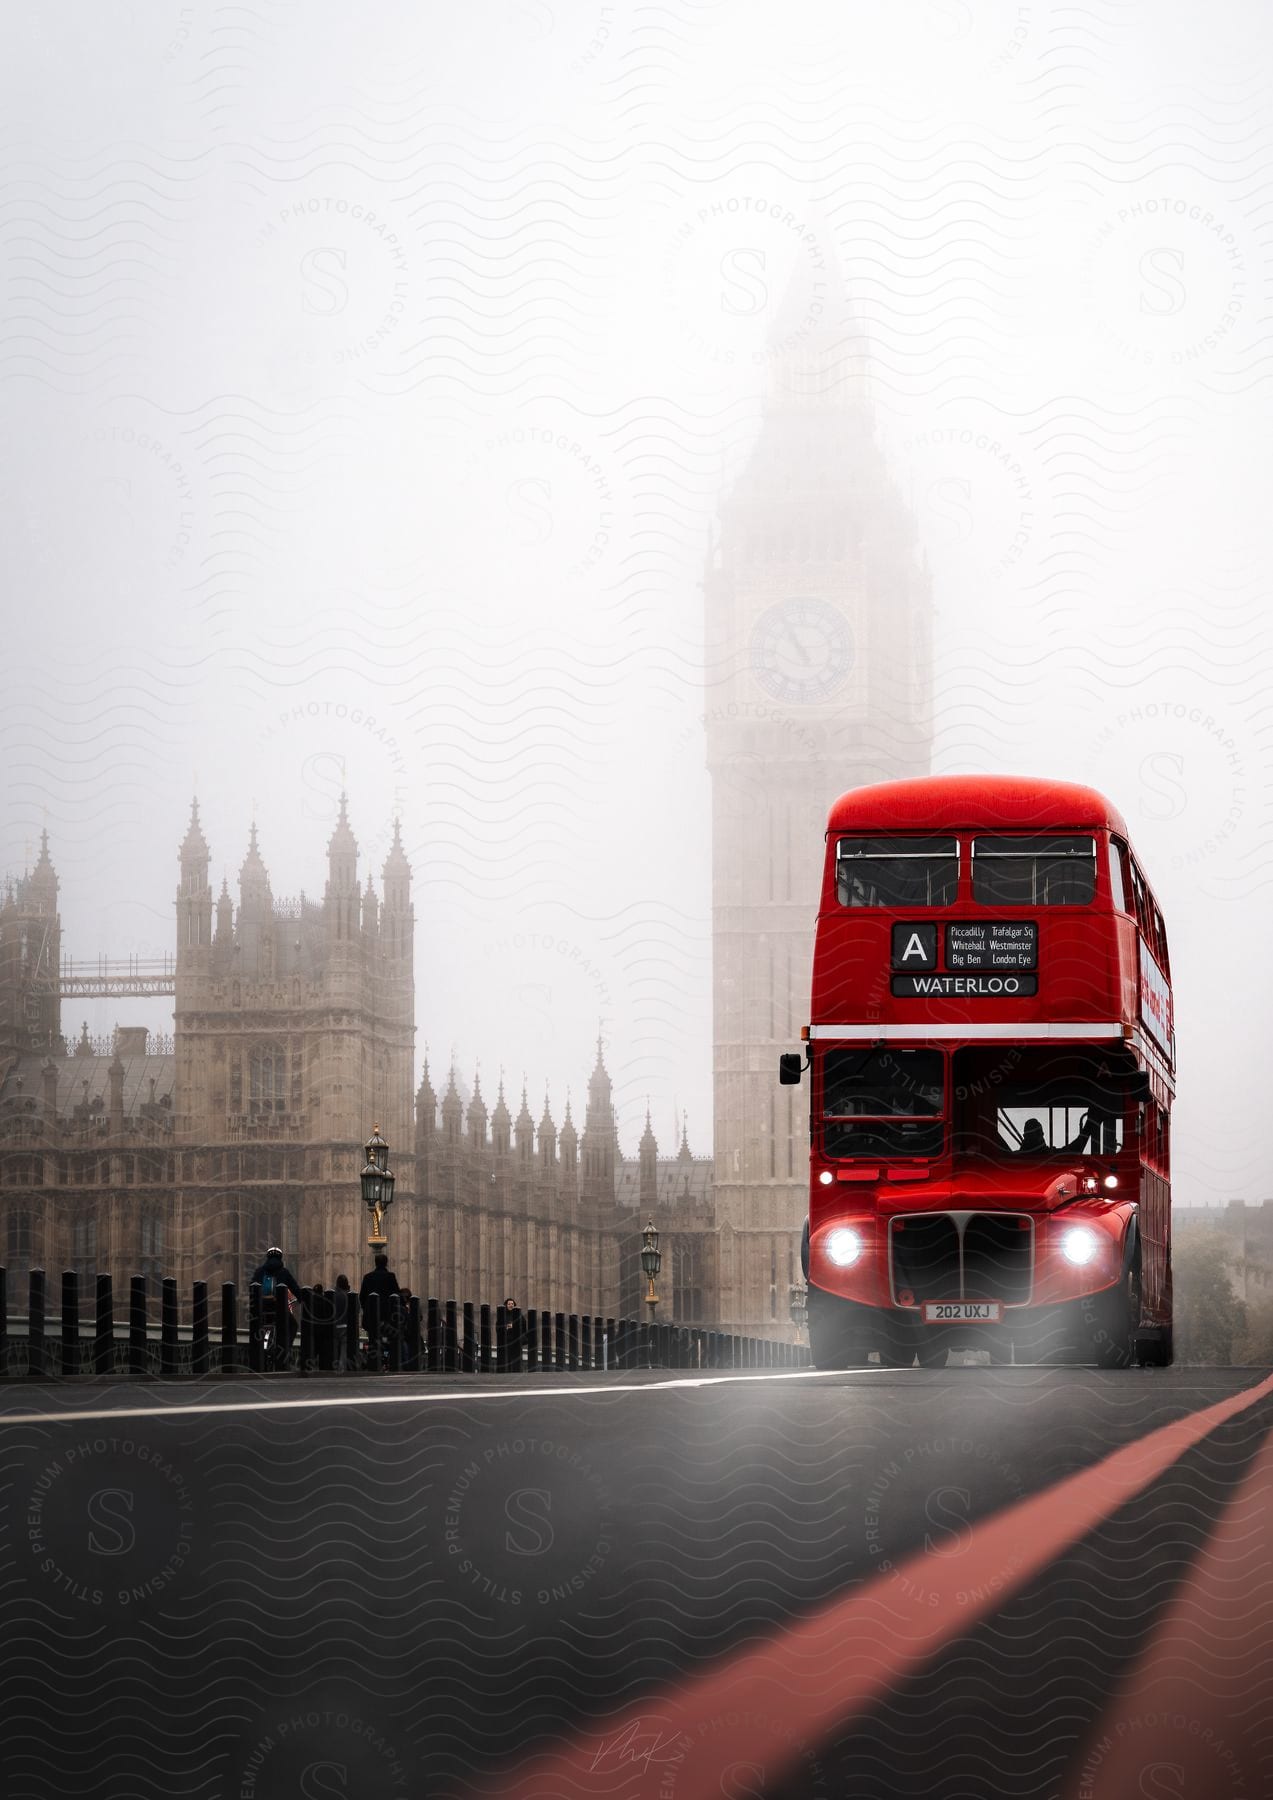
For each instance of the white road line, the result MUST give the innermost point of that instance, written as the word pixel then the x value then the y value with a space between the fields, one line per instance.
pixel 464 1397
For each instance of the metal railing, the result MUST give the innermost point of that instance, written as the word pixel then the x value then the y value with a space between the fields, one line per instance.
pixel 274 1336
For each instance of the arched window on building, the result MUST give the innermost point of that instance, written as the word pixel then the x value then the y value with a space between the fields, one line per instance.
pixel 84 1246
pixel 687 1281
pixel 19 1251
pixel 267 1072
pixel 151 1264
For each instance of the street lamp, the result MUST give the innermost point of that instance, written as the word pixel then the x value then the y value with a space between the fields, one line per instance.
pixel 377 1186
pixel 799 1305
pixel 651 1263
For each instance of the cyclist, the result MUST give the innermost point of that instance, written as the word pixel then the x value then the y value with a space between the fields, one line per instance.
pixel 272 1275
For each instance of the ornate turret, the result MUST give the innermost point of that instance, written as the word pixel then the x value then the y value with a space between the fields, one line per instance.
pixel 501 1124
pixel 194 895
pixel 477 1113
pixel 426 1105
pixel 341 897
pixel 40 886
pixel 225 918
pixel 30 959
pixel 547 1139
pixel 569 1144
pixel 396 874
pixel 685 1154
pixel 370 910
pixel 599 1145
pixel 255 900
pixel 452 1111
pixel 524 1129
pixel 115 1078
pixel 648 1155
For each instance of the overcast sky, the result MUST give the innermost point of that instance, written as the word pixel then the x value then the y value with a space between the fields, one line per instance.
pixel 375 365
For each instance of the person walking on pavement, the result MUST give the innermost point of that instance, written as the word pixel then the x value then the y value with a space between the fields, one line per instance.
pixel 343 1299
pixel 381 1281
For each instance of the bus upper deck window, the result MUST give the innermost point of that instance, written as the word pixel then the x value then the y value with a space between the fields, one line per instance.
pixel 897 871
pixel 1041 871
pixel 1117 886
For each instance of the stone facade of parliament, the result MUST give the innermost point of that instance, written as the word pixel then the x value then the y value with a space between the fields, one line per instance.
pixel 293 1035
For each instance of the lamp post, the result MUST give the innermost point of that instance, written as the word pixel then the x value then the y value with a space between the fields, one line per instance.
pixel 377 1180
pixel 799 1306
pixel 651 1263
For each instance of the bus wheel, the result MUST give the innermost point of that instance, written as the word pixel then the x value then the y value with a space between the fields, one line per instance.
pixel 932 1351
pixel 835 1339
pixel 1112 1338
pixel 1155 1352
pixel 1000 1350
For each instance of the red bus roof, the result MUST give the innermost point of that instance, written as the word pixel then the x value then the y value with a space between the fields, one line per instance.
pixel 974 802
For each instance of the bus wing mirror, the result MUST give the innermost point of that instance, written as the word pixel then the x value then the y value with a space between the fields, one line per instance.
pixel 790 1067
pixel 1141 1089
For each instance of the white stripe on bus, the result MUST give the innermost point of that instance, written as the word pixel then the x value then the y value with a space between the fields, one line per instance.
pixel 1021 1030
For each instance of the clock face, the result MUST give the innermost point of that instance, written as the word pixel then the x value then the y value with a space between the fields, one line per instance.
pixel 802 651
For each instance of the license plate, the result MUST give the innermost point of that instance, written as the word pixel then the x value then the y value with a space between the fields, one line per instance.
pixel 962 1312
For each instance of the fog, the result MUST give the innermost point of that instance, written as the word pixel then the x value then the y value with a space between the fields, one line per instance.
pixel 372 381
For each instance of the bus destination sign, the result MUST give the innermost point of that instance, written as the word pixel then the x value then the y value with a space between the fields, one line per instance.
pixel 1011 945
pixel 964 987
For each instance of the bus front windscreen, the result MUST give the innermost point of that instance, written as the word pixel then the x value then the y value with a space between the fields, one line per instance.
pixel 1069 1109
pixel 882 1102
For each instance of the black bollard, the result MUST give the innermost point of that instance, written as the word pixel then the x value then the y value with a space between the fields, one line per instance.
pixel 485 1355
pixel 256 1350
pixel 501 1341
pixel 70 1322
pixel 327 1333
pixel 351 1331
pixel 559 1340
pixel 415 1338
pixel 138 1354
pixel 516 1340
pixel 229 1327
pixel 168 1326
pixel 397 1325
pixel 200 1353
pixel 468 1361
pixel 545 1340
pixel 585 1342
pixel 375 1336
pixel 37 1357
pixel 572 1341
pixel 282 1326
pixel 532 1341
pixel 451 1340
pixel 4 1323
pixel 309 1326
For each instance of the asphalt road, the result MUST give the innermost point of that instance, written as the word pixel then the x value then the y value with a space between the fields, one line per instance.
pixel 955 1585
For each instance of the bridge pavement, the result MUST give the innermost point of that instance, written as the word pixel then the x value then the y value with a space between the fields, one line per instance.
pixel 953 1584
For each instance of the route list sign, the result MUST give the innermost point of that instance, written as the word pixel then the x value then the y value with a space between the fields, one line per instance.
pixel 990 945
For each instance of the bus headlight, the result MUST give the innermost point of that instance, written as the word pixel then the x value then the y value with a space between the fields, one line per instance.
pixel 844 1246
pixel 1079 1245
pixel 1111 1181
pixel 826 1178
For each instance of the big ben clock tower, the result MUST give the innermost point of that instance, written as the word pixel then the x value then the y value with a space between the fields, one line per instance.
pixel 817 680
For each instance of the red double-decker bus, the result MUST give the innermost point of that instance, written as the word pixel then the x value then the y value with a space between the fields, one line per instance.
pixel 991 1059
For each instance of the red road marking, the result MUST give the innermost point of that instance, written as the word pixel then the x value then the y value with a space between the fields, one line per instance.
pixel 772 1704
pixel 1192 1722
